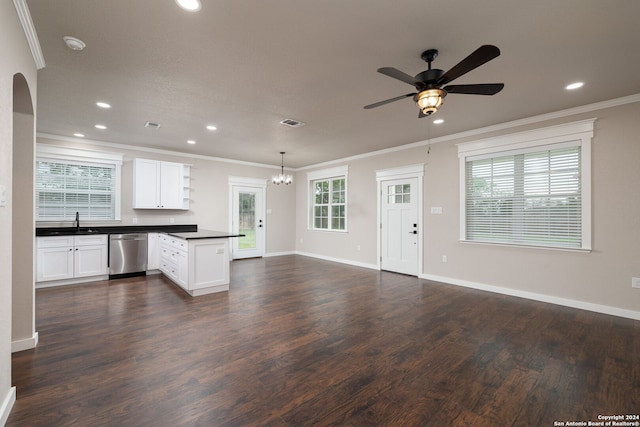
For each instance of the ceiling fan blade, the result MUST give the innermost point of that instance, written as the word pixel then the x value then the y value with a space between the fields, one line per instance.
pixel 478 89
pixel 399 75
pixel 482 55
pixel 387 101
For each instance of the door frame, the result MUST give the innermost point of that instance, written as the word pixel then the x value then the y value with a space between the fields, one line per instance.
pixel 259 183
pixel 404 172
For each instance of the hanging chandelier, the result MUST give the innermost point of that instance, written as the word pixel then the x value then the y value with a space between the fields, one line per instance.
pixel 281 178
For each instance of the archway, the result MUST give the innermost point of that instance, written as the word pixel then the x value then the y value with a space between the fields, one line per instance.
pixel 21 195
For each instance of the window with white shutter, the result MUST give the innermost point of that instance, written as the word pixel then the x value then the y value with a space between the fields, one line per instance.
pixel 530 189
pixel 69 181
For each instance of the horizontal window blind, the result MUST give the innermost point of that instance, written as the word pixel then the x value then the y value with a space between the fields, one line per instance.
pixel 532 198
pixel 62 189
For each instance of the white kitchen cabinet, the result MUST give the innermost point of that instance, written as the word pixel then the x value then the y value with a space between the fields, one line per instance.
pixel 160 185
pixel 153 251
pixel 199 266
pixel 70 257
pixel 54 263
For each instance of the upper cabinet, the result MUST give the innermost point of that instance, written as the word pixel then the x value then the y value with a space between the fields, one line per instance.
pixel 160 185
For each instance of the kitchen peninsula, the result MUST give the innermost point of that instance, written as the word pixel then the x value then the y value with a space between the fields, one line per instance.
pixel 196 261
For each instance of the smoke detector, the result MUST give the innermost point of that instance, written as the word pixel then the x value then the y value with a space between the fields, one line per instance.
pixel 292 123
pixel 74 43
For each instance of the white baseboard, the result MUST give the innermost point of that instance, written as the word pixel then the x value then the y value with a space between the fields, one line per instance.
pixel 24 344
pixel 598 308
pixel 7 405
pixel 270 254
pixel 64 282
pixel 340 260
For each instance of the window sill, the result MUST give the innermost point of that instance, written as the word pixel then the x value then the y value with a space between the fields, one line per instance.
pixel 322 230
pixel 516 245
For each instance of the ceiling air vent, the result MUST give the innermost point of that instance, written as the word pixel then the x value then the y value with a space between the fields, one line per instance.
pixel 152 125
pixel 292 123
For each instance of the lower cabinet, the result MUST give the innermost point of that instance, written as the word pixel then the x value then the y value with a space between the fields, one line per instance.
pixel 199 266
pixel 153 251
pixel 70 257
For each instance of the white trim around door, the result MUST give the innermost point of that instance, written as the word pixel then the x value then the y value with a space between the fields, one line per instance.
pixel 256 187
pixel 405 172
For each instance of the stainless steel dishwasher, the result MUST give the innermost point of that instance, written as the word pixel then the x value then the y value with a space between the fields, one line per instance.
pixel 127 254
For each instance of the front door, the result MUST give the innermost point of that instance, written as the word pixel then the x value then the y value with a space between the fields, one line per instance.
pixel 248 219
pixel 399 231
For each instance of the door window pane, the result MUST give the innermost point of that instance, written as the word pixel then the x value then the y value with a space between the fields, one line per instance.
pixel 398 194
pixel 247 220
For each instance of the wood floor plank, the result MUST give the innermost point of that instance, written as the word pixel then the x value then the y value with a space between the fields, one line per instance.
pixel 299 341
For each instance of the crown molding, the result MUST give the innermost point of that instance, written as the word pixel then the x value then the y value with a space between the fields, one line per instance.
pixel 474 132
pixel 494 128
pixel 30 32
pixel 85 141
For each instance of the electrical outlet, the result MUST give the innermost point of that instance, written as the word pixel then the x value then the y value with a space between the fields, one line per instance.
pixel 358 247
pixel 444 258
pixel 172 220
pixel 635 282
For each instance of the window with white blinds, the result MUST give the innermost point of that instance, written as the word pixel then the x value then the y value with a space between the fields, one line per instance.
pixel 530 199
pixel 75 184
pixel 528 191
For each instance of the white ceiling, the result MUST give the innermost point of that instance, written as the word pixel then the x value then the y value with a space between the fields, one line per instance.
pixel 245 65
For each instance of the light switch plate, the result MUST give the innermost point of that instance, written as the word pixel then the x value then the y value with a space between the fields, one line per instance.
pixel 3 195
pixel 436 210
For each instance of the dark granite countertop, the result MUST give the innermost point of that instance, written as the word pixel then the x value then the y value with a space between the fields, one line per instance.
pixel 117 229
pixel 203 234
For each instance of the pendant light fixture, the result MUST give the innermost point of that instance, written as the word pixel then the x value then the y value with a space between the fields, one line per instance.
pixel 281 178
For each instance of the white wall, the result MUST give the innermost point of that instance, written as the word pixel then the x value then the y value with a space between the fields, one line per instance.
pixel 209 194
pixel 599 280
pixel 16 58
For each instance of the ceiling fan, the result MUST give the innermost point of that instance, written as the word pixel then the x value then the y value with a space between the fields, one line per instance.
pixel 430 93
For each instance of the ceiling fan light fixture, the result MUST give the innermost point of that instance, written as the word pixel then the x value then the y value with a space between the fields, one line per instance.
pixel 429 100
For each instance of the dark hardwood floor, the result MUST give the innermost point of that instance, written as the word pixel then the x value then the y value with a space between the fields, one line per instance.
pixel 300 342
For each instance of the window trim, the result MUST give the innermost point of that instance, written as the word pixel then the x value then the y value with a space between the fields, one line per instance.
pixel 577 133
pixel 45 152
pixel 327 174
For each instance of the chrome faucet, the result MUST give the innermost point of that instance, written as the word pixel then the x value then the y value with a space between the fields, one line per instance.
pixel 77 220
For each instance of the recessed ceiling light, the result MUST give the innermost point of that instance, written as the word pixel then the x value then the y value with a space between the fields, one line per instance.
pixel 101 127
pixel 438 121
pixel 573 86
pixel 74 43
pixel 79 135
pixel 190 5
pixel 191 141
pixel 103 104
pixel 211 127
